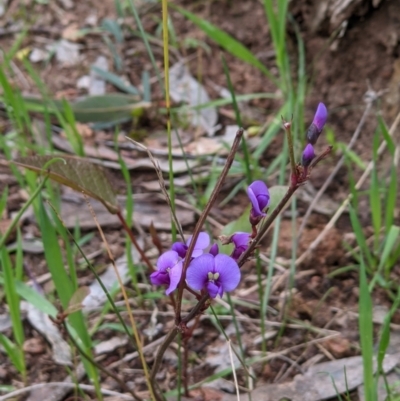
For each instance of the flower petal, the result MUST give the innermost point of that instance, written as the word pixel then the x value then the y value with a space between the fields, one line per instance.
pixel 159 278
pixel 214 250
pixel 167 260
pixel 175 275
pixel 180 248
pixel 229 272
pixel 197 272
pixel 308 155
pixel 213 289
pixel 320 116
pixel 202 242
pixel 240 239
pixel 259 196
pixel 254 202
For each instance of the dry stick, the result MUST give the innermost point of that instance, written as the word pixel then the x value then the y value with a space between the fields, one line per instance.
pixel 336 169
pixel 197 308
pixel 345 203
pixel 153 393
pixel 162 185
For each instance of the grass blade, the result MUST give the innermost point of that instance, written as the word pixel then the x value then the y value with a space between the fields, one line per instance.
pixel 366 335
pixel 226 41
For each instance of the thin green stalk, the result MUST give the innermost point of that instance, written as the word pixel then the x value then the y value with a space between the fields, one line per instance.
pixel 145 41
pixel 168 108
pixel 17 218
pixel 246 153
pixel 366 335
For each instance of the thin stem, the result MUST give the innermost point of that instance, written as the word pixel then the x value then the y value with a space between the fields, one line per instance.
pixel 134 242
pixel 161 351
pixel 201 220
pixel 172 334
pixel 288 129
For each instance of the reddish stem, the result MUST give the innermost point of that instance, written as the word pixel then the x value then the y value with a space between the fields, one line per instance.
pixel 145 259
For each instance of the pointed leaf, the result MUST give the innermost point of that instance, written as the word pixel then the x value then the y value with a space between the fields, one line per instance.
pixel 75 303
pixel 77 174
pixel 114 79
pixel 225 40
pixel 106 108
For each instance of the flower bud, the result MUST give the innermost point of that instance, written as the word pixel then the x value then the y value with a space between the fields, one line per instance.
pixel 315 129
pixel 307 156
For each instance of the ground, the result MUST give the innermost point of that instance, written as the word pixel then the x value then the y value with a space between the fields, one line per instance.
pixel 346 56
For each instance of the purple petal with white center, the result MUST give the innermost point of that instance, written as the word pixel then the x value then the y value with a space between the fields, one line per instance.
pixel 320 116
pixel 229 272
pixel 175 275
pixel 167 260
pixel 197 272
pixel 308 155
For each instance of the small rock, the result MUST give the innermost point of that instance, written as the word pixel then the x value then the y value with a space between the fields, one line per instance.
pixel 97 85
pixel 83 82
pixel 67 52
pixel 37 55
pixel 91 20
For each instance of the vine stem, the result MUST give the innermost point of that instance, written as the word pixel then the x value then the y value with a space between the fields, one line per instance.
pixel 201 220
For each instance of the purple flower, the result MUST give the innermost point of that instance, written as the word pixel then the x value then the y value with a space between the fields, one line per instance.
pixel 308 155
pixel 259 197
pixel 217 274
pixel 241 242
pixel 169 271
pixel 315 129
pixel 203 240
pixel 214 250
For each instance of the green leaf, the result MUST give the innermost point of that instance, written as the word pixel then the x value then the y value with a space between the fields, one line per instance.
pixel 13 353
pixel 276 194
pixel 35 299
pixel 113 27
pixel 351 155
pixel 240 224
pixel 115 80
pixel 366 335
pixel 77 174
pixel 106 108
pixel 75 303
pixel 227 42
pixel 103 108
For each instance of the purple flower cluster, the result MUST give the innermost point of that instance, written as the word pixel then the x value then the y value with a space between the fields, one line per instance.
pixel 313 133
pixel 211 271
